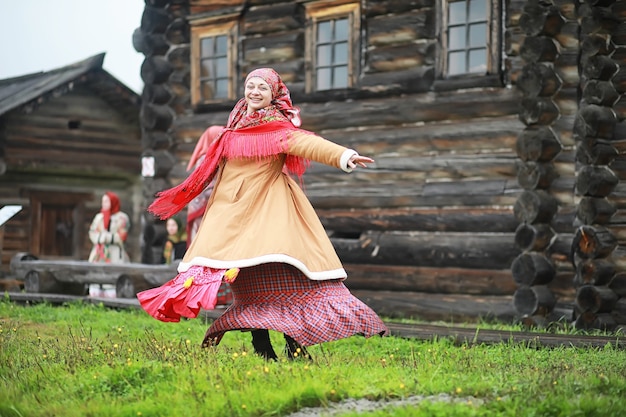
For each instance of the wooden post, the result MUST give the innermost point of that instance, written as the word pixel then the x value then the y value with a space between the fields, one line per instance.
pixel 594 152
pixel 596 181
pixel 539 144
pixel 128 285
pixel 618 284
pixel 535 175
pixel 537 237
pixel 163 38
pixel 533 301
pixel 155 70
pixel 156 94
pixel 595 121
pixel 154 20
pixel 594 272
pixel 541 19
pixel 593 242
pixel 592 210
pixel 535 207
pixel 530 269
pixel 539 49
pixel 156 117
pixel 537 147
pixel 45 282
pixel 538 80
pixel 619 311
pixel 591 321
pixel 600 67
pixel 593 246
pixel 595 298
pixel 600 92
pixel 538 111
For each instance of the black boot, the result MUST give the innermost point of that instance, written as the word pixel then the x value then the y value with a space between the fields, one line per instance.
pixel 262 345
pixel 295 350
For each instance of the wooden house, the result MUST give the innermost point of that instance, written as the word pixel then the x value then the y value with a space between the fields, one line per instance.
pixel 66 136
pixel 495 125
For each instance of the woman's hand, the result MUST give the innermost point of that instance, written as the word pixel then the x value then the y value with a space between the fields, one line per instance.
pixel 358 160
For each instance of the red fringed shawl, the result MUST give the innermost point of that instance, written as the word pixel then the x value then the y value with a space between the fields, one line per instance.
pixel 267 139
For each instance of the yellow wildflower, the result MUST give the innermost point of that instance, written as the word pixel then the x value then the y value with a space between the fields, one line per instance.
pixel 188 282
pixel 231 274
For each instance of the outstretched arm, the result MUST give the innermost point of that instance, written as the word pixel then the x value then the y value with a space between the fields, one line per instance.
pixel 318 149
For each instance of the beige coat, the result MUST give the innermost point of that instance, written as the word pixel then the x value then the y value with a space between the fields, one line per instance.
pixel 258 214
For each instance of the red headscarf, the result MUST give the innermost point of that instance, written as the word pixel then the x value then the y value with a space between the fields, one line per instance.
pixel 115 207
pixel 281 99
pixel 260 134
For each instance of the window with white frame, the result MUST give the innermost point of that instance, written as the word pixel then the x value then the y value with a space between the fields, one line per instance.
pixel 470 37
pixel 213 54
pixel 332 45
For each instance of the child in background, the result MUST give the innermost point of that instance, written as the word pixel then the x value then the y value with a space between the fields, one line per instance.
pixel 176 242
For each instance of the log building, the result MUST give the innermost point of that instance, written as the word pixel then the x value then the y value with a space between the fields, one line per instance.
pixel 495 125
pixel 66 136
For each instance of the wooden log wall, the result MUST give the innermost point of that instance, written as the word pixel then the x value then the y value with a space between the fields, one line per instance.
pixel 163 38
pixel 548 44
pixel 598 246
pixel 471 198
pixel 46 156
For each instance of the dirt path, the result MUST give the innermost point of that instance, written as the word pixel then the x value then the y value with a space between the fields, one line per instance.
pixel 364 405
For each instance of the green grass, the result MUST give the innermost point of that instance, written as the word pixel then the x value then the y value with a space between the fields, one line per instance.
pixel 86 360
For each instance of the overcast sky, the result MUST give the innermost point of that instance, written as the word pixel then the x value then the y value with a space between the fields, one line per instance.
pixel 40 35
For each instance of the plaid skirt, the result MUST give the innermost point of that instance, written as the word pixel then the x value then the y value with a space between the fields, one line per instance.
pixel 280 297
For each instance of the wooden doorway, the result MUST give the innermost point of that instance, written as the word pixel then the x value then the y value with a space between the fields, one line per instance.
pixel 57 224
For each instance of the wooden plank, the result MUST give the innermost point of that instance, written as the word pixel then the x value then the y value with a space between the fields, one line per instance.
pixel 462 250
pixel 60 123
pixel 467 193
pixel 273 47
pixel 403 28
pixel 445 219
pixel 395 58
pixel 375 8
pixel 204 6
pixel 433 280
pixel 274 18
pixel 398 168
pixel 65 161
pixel 96 273
pixel 463 105
pixel 84 105
pixel 95 139
pixel 439 307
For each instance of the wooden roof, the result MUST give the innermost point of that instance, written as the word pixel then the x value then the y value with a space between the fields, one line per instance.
pixel 27 91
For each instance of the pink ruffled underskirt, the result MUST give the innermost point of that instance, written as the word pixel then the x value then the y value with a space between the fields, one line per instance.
pixel 184 296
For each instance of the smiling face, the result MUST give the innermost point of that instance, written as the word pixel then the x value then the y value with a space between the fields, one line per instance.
pixel 258 94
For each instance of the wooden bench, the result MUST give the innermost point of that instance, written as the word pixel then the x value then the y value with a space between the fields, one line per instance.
pixel 73 277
